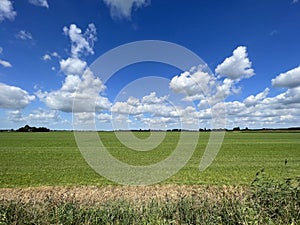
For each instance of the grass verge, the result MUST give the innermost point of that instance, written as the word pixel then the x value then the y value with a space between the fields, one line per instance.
pixel 264 202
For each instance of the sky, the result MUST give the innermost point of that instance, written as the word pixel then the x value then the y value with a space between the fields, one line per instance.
pixel 249 77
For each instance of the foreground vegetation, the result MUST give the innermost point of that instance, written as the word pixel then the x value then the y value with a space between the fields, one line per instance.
pixel 265 202
pixel 53 159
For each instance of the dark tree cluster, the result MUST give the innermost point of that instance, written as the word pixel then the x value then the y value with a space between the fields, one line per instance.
pixel 28 128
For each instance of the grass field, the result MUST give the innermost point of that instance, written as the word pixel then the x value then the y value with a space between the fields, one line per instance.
pixel 53 159
pixel 45 180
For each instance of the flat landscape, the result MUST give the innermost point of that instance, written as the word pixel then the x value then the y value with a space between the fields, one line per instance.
pixel 180 69
pixel 53 158
pixel 45 180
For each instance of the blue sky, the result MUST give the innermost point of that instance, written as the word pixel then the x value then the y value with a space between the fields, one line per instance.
pixel 251 47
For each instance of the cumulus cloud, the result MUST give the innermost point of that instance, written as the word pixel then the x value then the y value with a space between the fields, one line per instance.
pixel 12 97
pixel 24 35
pixel 236 66
pixel 42 115
pixel 72 66
pixel 289 79
pixel 39 115
pixel 83 89
pixel 80 91
pixel 15 116
pixel 198 84
pixel 5 63
pixel 153 99
pixel 156 112
pixel 82 43
pixel 6 10
pixel 123 8
pixel 147 104
pixel 42 3
pixel 260 110
pixel 290 98
pixel 255 111
pixel 104 117
pixel 254 100
pixel 84 118
pixel 195 83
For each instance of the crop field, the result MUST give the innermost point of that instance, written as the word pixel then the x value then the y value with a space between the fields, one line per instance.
pixel 53 159
pixel 45 180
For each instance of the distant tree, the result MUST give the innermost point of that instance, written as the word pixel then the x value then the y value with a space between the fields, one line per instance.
pixel 28 128
pixel 236 129
pixel 43 129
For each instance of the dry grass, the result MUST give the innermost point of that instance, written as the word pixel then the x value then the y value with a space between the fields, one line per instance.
pixel 264 202
pixel 93 196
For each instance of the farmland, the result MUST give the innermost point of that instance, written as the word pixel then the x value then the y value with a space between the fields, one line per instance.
pixel 45 180
pixel 53 159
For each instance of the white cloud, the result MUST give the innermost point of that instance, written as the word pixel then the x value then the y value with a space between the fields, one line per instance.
pixel 42 3
pixel 259 111
pixel 122 8
pixel 39 115
pixel 42 115
pixel 6 10
pixel 46 57
pixel 24 35
pixel 12 97
pixel 224 89
pixel 148 104
pixel 72 66
pixel 199 85
pixel 15 116
pixel 49 56
pixel 165 117
pixel 155 112
pixel 290 98
pixel 55 54
pixel 160 122
pixel 82 43
pixel 5 63
pixel 254 100
pixel 195 84
pixel 295 1
pixel 254 111
pixel 152 99
pixel 289 79
pixel 104 117
pixel 236 66
pixel 83 118
pixel 84 89
pixel 80 90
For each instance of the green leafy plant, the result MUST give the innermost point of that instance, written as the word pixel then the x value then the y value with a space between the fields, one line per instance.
pixel 276 201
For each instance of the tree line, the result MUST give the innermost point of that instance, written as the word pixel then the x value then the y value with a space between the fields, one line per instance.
pixel 28 128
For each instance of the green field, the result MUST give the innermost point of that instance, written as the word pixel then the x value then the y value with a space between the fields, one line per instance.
pixel 53 159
